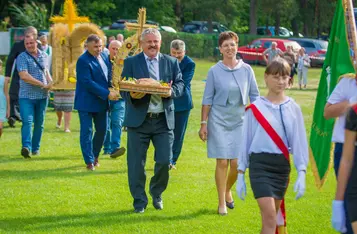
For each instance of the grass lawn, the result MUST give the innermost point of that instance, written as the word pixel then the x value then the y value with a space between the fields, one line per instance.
pixel 54 193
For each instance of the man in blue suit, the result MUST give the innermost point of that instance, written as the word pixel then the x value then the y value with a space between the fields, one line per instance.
pixel 150 118
pixel 183 105
pixel 92 98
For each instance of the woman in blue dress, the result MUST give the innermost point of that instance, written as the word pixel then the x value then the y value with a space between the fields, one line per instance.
pixel 229 85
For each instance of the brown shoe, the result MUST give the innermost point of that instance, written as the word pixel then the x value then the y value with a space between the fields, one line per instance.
pixel 90 167
pixel 118 152
pixel 96 162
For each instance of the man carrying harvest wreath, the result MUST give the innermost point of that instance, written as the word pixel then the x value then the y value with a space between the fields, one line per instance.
pixel 150 117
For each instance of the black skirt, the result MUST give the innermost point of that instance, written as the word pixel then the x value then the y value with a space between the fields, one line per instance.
pixel 351 192
pixel 269 175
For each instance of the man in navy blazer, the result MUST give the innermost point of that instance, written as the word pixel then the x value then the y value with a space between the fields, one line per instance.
pixel 183 104
pixel 150 118
pixel 92 98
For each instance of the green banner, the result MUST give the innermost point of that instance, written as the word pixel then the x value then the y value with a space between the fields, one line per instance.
pixel 338 63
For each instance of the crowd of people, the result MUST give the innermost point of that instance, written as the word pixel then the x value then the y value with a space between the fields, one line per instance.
pixel 259 136
pixel 299 62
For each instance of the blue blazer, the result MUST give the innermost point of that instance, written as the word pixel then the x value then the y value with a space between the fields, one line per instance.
pixel 136 109
pixel 187 67
pixel 92 85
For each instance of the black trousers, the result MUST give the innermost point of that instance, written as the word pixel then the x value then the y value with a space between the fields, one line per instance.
pixel 15 108
pixel 156 131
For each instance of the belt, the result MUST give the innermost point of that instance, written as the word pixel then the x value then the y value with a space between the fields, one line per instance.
pixel 154 115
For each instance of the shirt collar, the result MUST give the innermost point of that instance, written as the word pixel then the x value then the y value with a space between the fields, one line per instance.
pixel 148 58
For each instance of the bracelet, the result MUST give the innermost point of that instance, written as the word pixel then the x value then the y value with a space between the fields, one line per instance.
pixel 203 122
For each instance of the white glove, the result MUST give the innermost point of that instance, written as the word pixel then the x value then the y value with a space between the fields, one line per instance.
pixel 240 187
pixel 338 216
pixel 300 185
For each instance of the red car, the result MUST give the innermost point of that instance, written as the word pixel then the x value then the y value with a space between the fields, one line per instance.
pixel 253 53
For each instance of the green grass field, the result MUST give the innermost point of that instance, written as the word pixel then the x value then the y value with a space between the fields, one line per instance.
pixel 54 193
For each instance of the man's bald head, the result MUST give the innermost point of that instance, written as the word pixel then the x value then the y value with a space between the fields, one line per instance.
pixel 114 46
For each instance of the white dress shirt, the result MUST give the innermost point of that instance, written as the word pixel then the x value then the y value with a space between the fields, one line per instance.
pixel 160 107
pixel 257 140
pixel 346 89
pixel 103 65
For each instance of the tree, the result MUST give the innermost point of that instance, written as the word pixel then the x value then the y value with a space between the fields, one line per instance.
pixel 253 17
pixel 32 14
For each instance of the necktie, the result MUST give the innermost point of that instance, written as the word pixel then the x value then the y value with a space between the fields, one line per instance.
pixel 155 99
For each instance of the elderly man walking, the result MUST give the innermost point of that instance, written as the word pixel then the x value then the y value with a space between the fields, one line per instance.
pixel 35 81
pixel 116 116
pixel 272 53
pixel 92 99
pixel 183 104
pixel 150 118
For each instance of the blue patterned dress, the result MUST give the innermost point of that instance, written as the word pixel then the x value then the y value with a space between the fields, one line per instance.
pixel 2 100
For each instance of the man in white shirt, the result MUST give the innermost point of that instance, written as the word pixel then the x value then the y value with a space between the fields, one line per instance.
pixel 341 99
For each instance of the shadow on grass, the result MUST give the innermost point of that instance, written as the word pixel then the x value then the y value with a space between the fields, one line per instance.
pixel 64 172
pixel 93 220
pixel 19 158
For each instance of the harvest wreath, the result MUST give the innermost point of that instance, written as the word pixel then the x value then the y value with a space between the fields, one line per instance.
pixel 144 85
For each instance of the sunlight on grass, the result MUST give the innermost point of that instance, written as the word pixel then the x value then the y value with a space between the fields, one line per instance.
pixel 54 193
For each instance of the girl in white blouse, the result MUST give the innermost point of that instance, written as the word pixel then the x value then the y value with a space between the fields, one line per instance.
pixel 265 151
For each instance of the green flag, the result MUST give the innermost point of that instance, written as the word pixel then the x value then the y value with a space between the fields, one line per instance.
pixel 338 63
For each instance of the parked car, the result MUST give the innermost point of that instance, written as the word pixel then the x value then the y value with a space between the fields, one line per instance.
pixel 202 27
pixel 167 29
pixel 283 32
pixel 316 49
pixel 253 53
pixel 120 24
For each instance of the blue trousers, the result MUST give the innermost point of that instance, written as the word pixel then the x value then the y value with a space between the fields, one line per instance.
pixel 90 145
pixel 32 111
pixel 115 124
pixel 181 120
pixel 337 160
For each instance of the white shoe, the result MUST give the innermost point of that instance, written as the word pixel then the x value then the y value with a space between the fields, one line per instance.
pixel 67 130
pixel 58 125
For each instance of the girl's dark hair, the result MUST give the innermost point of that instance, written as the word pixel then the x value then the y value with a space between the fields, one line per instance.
pixel 278 66
pixel 226 36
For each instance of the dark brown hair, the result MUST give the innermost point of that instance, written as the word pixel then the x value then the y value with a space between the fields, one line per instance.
pixel 278 66
pixel 226 36
pixel 93 37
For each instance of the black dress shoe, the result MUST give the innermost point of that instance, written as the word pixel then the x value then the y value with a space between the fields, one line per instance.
pixel 11 121
pixel 118 152
pixel 230 205
pixel 139 210
pixel 25 152
pixel 158 203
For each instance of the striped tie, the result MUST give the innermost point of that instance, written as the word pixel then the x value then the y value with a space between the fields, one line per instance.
pixel 155 99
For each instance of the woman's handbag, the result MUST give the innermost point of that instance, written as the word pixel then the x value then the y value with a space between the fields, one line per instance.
pixel 306 63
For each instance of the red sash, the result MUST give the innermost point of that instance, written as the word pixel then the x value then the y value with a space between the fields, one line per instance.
pixel 278 141
pixel 270 130
pixel 355 108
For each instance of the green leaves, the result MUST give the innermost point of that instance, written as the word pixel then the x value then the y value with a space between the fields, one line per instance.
pixel 31 14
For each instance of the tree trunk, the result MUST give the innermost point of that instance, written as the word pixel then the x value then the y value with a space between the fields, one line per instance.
pixel 304 15
pixel 316 18
pixel 295 26
pixel 178 11
pixel 253 17
pixel 277 22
